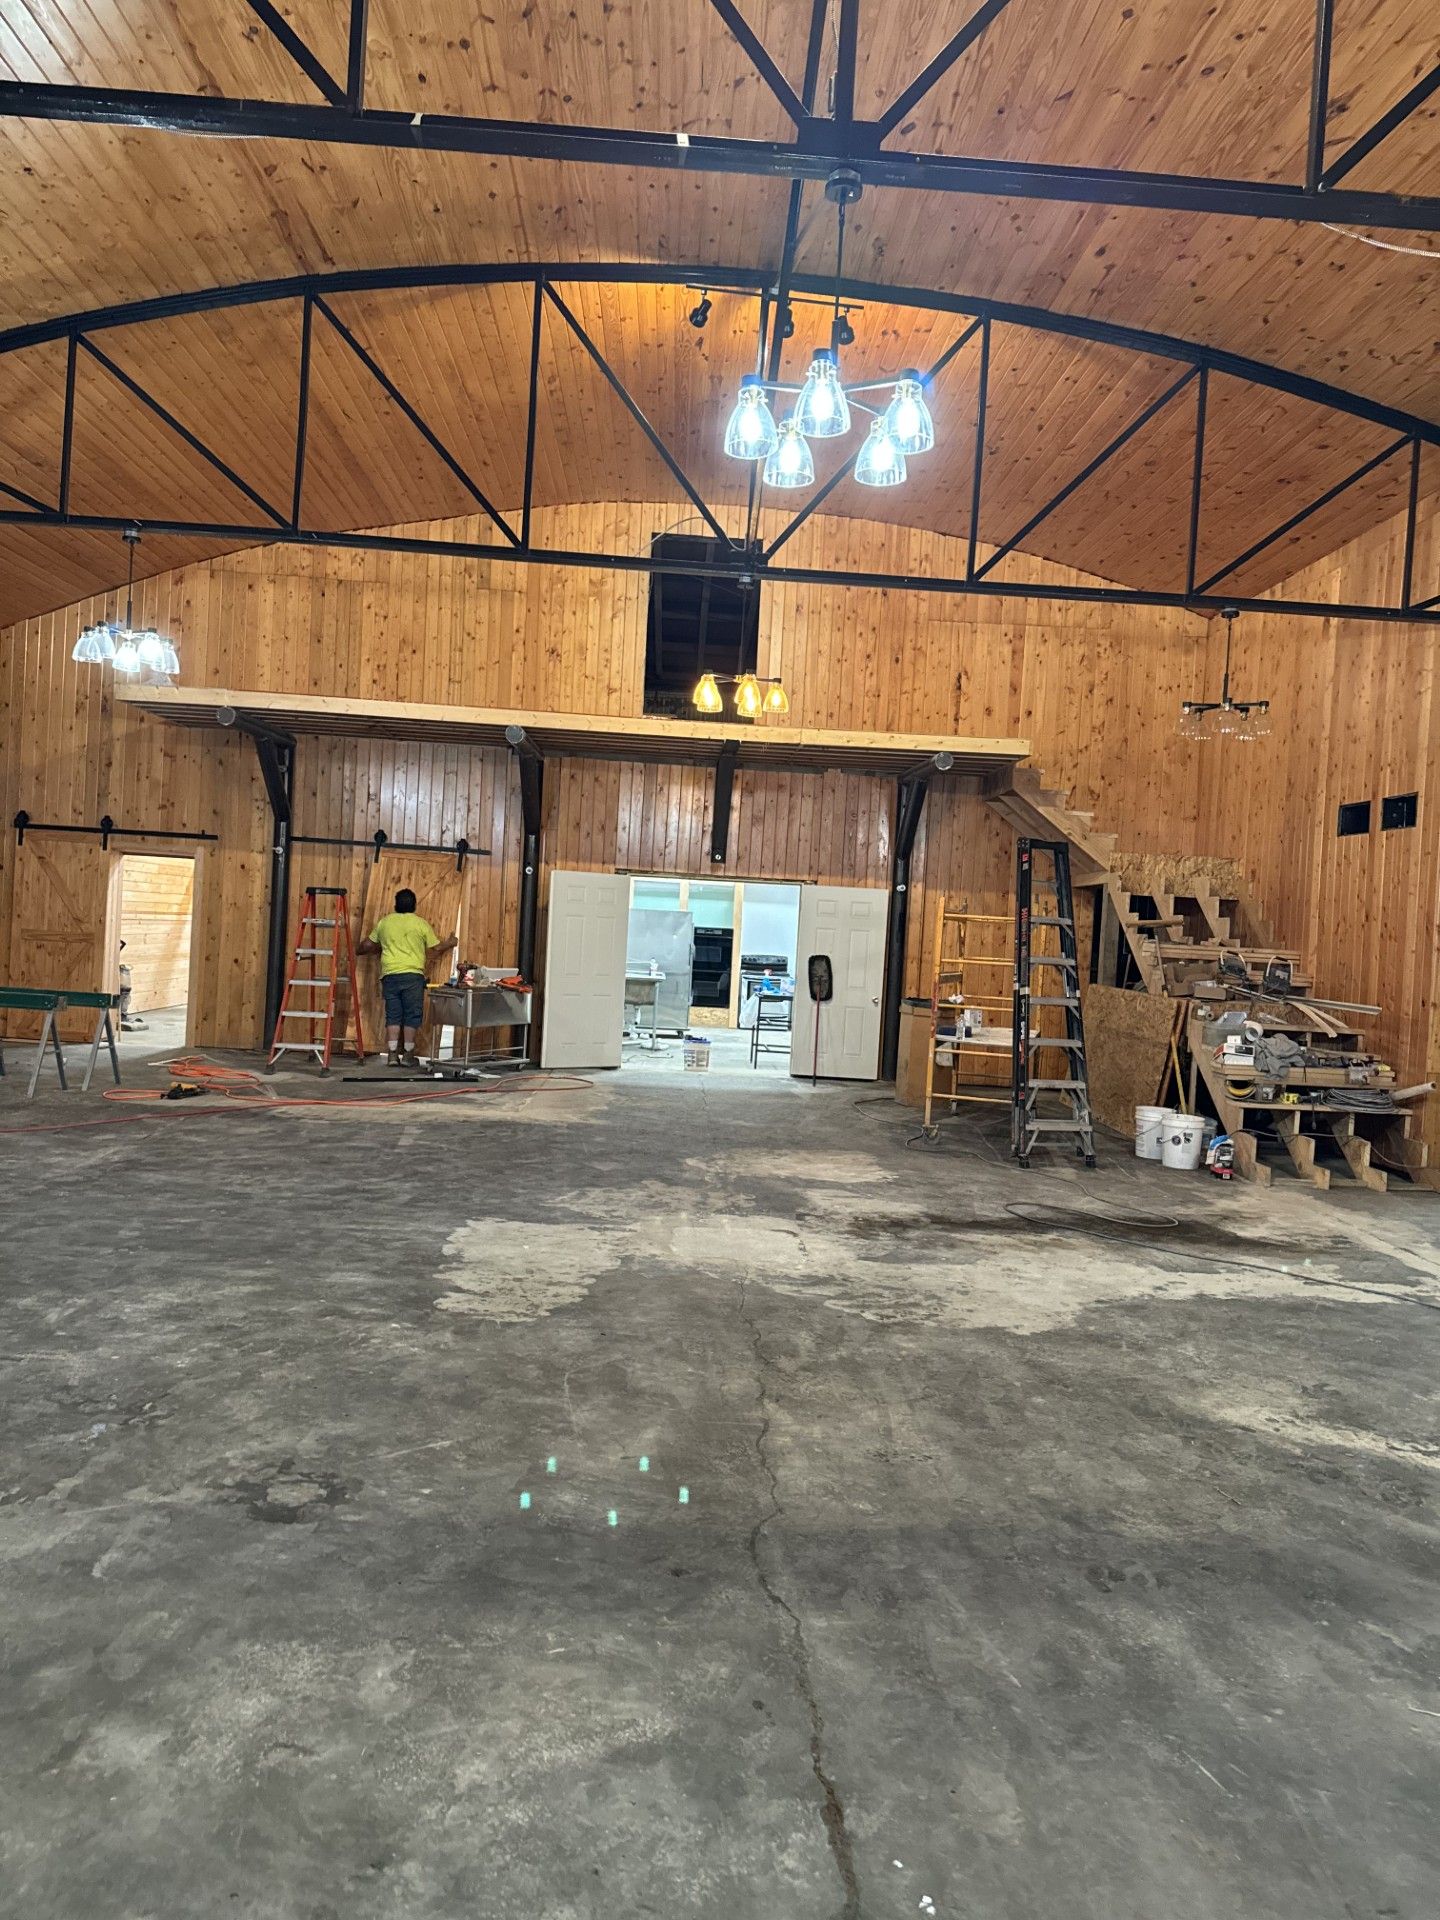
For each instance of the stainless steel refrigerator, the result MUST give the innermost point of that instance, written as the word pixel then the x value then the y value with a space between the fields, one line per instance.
pixel 666 939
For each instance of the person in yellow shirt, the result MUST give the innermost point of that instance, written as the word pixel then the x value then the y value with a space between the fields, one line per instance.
pixel 404 942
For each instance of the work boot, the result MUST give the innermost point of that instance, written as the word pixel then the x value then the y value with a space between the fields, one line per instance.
pixel 409 1060
pixel 395 1060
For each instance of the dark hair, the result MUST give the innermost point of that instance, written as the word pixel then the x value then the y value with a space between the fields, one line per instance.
pixel 404 901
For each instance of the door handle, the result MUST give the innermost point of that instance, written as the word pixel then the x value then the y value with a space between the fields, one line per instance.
pixel 875 1000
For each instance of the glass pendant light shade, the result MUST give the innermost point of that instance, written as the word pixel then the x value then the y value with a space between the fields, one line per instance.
pixel 881 463
pixel 748 697
pixel 822 410
pixel 127 655
pixel 752 433
pixel 1194 724
pixel 707 696
pixel 776 698
pixel 170 660
pixel 791 464
pixel 151 650
pixel 908 417
pixel 87 648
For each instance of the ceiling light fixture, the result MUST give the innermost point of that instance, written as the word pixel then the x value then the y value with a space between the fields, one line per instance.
pixel 130 650
pixel 700 313
pixel 823 404
pixel 1225 718
pixel 753 695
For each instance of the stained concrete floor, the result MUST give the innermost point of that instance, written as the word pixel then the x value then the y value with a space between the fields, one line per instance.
pixel 1041 1557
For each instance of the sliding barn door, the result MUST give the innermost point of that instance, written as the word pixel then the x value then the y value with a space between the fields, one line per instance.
pixel 583 1013
pixel 848 924
pixel 65 927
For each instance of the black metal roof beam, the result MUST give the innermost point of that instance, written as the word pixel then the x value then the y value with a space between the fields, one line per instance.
pixel 1361 149
pixel 731 567
pixel 759 56
pixel 26 499
pixel 822 145
pixel 314 70
pixel 1322 45
pixel 1121 439
pixel 630 405
pixel 422 426
pixel 1289 526
pixel 355 55
pixel 1165 346
pixel 939 66
pixel 191 440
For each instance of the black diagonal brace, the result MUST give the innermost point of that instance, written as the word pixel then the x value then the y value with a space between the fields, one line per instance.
pixel 760 59
pixel 192 440
pixel 618 386
pixel 1361 149
pixel 939 66
pixel 313 69
pixel 1289 526
pixel 1121 439
pixel 422 427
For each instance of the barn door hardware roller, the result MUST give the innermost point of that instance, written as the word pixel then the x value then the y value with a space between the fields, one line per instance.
pixel 106 828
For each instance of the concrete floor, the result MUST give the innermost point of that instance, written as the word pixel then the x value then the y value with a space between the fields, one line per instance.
pixel 1041 1556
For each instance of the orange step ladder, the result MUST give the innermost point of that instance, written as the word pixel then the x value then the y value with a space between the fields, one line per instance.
pixel 313 1020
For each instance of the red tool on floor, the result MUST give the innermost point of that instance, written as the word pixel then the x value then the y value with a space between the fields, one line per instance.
pixel 313 1018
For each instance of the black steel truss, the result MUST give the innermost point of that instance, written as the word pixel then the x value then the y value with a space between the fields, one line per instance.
pixel 744 556
pixel 821 144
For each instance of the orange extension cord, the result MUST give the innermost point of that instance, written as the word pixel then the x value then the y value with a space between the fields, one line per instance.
pixel 253 1096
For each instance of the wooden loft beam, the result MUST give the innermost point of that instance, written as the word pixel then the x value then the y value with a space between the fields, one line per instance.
pixel 586 736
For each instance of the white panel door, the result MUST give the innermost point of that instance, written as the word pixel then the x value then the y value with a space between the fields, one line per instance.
pixel 848 923
pixel 584 1009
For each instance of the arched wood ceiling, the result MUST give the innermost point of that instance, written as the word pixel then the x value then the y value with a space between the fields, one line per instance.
pixel 97 215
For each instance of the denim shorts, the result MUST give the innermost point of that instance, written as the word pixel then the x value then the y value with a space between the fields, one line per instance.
pixel 404 999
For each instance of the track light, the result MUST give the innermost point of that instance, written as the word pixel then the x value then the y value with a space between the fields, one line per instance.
pixel 701 313
pixel 787 322
pixel 842 334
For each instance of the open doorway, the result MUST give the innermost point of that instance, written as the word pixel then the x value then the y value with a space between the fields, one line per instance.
pixel 157 904
pixel 715 960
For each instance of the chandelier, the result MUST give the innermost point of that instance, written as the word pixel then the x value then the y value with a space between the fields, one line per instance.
pixel 136 652
pixel 1225 718
pixel 753 696
pixel 824 405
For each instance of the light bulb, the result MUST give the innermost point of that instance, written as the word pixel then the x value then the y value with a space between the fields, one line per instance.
pixel 127 655
pixel 707 695
pixel 752 433
pixel 791 464
pixel 881 463
pixel 87 648
pixel 909 417
pixel 151 650
pixel 748 698
pixel 822 410
pixel 776 698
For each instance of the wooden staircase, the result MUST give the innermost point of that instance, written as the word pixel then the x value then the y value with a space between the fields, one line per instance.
pixel 1167 907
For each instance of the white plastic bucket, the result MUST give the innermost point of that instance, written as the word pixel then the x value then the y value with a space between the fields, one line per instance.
pixel 1183 1141
pixel 1149 1123
pixel 697 1054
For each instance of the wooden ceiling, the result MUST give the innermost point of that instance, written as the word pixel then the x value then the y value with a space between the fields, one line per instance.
pixel 98 216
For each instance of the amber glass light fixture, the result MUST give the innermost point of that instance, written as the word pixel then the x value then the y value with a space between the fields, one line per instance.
pixel 753 695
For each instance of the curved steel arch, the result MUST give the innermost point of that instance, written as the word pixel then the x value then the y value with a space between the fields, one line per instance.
pixel 1413 433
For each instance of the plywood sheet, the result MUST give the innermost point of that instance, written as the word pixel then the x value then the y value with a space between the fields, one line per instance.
pixel 1127 1039
pixel 438 886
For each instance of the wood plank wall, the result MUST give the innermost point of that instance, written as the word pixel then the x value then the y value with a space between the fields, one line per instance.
pixel 1096 689
pixel 156 901
pixel 1355 717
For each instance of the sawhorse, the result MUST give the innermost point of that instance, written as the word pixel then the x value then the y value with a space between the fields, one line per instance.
pixel 52 1003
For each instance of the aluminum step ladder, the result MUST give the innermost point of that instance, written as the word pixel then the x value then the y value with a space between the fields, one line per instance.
pixel 311 1019
pixel 1030 1122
